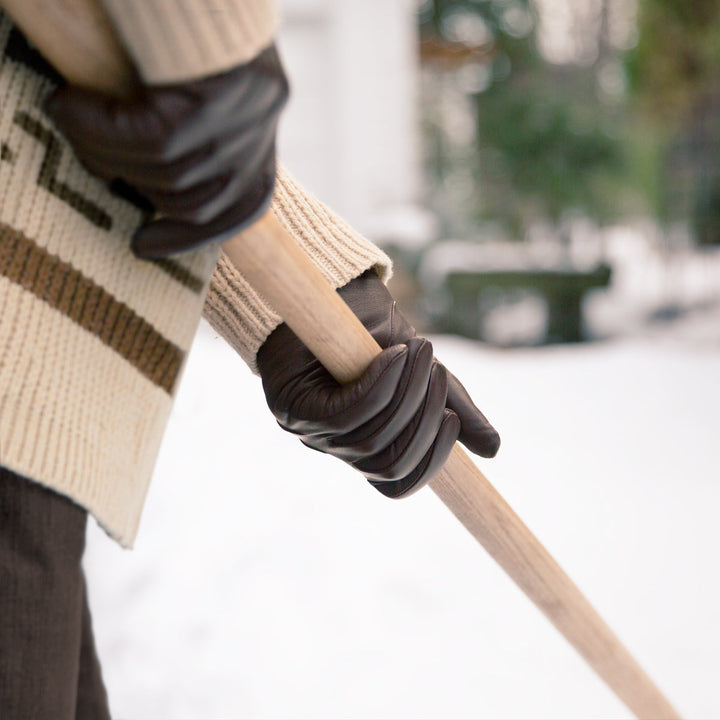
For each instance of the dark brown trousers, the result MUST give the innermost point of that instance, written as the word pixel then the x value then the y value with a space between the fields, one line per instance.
pixel 48 666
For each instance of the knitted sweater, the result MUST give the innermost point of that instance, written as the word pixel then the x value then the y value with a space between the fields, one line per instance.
pixel 92 340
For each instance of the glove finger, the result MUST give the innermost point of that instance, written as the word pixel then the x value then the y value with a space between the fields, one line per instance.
pixel 206 200
pixel 381 430
pixel 476 433
pixel 407 451
pixel 326 407
pixel 430 465
pixel 175 183
pixel 371 301
pixel 199 204
pixel 108 173
pixel 197 166
pixel 107 126
pixel 164 237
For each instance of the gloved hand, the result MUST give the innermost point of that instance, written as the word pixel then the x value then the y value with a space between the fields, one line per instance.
pixel 202 152
pixel 398 422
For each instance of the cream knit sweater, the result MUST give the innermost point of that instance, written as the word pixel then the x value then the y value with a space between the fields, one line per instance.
pixel 93 341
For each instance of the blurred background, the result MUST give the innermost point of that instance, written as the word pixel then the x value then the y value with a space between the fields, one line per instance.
pixel 540 171
pixel 546 176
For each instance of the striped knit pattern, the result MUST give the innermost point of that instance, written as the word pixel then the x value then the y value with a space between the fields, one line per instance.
pixel 176 40
pixel 92 341
pixel 241 315
pixel 90 306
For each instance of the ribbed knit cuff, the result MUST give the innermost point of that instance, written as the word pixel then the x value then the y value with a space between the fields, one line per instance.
pixel 177 40
pixel 241 315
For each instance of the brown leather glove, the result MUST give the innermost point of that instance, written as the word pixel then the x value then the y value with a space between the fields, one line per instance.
pixel 202 153
pixel 398 422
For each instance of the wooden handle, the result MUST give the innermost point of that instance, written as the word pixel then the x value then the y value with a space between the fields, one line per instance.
pixel 496 526
pixel 274 264
pixel 74 35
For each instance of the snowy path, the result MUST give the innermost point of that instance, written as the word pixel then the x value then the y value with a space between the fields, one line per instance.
pixel 271 582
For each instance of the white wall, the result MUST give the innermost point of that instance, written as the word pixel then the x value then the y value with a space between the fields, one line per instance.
pixel 350 132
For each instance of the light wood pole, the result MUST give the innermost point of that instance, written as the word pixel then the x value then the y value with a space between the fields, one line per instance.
pixel 269 258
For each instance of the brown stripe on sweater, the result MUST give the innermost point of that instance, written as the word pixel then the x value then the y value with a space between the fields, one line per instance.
pixel 92 212
pixel 180 274
pixel 90 306
pixel 47 177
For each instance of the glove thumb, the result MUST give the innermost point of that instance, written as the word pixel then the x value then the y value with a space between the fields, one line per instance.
pixel 476 433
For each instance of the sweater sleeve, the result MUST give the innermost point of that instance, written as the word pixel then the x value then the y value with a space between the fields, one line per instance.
pixel 178 40
pixel 241 315
pixel 203 37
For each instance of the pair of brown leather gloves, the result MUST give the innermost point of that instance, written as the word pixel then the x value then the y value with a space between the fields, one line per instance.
pixel 203 154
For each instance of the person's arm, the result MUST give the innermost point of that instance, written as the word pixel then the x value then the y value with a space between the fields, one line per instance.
pixel 243 317
pixel 397 423
pixel 182 146
pixel 196 53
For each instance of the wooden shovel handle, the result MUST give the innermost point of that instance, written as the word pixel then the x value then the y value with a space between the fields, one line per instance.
pixel 274 264
pixel 76 37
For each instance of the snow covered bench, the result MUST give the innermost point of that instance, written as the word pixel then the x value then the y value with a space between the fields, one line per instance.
pixel 562 289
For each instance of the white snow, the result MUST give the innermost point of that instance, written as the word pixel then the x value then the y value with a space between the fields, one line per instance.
pixel 269 581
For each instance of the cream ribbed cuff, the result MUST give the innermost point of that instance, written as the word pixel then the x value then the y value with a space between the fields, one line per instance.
pixel 177 40
pixel 241 315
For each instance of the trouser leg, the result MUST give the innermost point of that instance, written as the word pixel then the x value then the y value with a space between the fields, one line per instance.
pixel 92 703
pixel 42 600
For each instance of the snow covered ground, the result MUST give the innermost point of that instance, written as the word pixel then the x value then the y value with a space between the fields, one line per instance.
pixel 269 581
